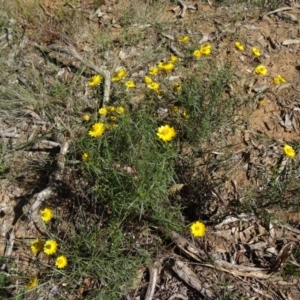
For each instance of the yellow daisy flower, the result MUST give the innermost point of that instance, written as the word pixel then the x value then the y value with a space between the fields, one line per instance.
pixel 154 86
pixel 50 247
pixel 279 79
pixel 197 53
pixel 97 130
pixel 85 157
pixel 119 75
pixel 120 110
pixel 61 262
pixel 95 80
pixel 289 151
pixel 239 46
pixel 206 49
pixel 177 87
pixel 166 66
pixel 173 59
pixel 111 109
pixel 256 52
pixel 148 80
pixel 261 70
pixel 184 39
pixel 36 246
pixel 175 109
pixel 47 215
pixel 103 111
pixel 153 71
pixel 33 282
pixel 113 119
pixel 166 133
pixel 130 84
pixel 198 229
pixel 86 117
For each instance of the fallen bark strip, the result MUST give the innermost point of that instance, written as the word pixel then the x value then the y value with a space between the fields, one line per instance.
pixel 71 51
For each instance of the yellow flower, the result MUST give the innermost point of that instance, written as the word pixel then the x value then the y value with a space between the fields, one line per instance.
pixel 103 111
pixel 61 262
pixel 47 215
pixel 198 229
pixel 130 84
pixel 256 52
pixel 173 59
pixel 197 53
pixel 97 130
pixel 175 109
pixel 289 151
pixel 50 247
pixel 148 80
pixel 120 110
pixel 85 156
pixel 206 49
pixel 113 119
pixel 184 39
pixel 153 71
pixel 36 246
pixel 261 102
pixel 154 86
pixel 86 117
pixel 185 115
pixel 239 46
pixel 95 80
pixel 279 79
pixel 33 282
pixel 166 133
pixel 119 75
pixel 261 70
pixel 111 109
pixel 177 87
pixel 166 66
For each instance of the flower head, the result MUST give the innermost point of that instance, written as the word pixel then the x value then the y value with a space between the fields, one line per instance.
pixel 261 70
pixel 197 53
pixel 95 80
pixel 239 46
pixel 50 247
pixel 47 215
pixel 120 110
pixel 185 114
pixel 154 86
pixel 33 282
pixel 130 84
pixel 166 66
pixel 279 79
pixel 153 71
pixel 111 109
pixel 166 133
pixel 198 229
pixel 206 49
pixel 36 246
pixel 289 151
pixel 61 262
pixel 177 87
pixel 85 156
pixel 173 59
pixel 148 80
pixel 256 52
pixel 97 130
pixel 119 75
pixel 86 117
pixel 184 39
pixel 175 109
pixel 103 111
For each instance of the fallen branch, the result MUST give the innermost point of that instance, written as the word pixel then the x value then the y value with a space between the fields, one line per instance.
pixel 55 181
pixel 71 51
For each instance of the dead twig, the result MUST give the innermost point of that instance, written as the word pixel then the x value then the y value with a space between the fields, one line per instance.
pixel 154 271
pixel 183 9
